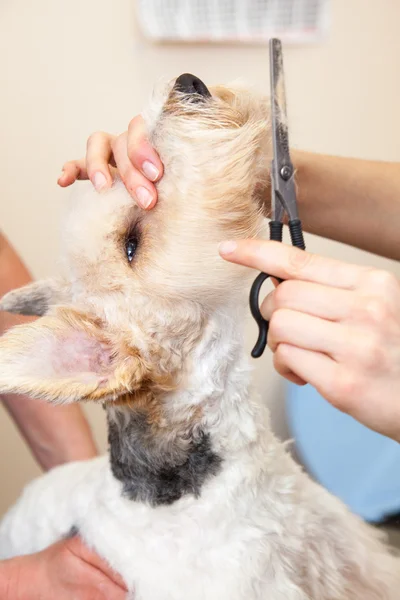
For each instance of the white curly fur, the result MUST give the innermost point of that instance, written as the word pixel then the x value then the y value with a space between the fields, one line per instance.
pixel 167 333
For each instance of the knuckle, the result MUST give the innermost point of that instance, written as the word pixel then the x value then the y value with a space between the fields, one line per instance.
pixel 346 389
pixel 380 279
pixel 135 123
pixel 95 138
pixel 298 260
pixel 372 353
pixel 374 311
pixel 92 138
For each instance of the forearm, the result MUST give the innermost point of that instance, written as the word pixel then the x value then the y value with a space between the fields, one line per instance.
pixel 54 434
pixel 350 200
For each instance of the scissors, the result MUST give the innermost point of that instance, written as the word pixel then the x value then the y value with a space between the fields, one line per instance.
pixel 283 192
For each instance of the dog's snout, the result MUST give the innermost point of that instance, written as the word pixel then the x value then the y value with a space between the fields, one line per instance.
pixel 191 85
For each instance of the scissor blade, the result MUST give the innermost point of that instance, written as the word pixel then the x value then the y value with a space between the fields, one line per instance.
pixel 278 103
pixel 282 173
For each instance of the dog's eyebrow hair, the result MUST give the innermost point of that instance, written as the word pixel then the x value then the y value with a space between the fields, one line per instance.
pixel 154 470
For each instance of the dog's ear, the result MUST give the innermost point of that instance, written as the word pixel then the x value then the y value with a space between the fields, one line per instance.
pixel 35 298
pixel 67 357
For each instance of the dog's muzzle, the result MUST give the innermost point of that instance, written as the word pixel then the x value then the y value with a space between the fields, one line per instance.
pixel 192 86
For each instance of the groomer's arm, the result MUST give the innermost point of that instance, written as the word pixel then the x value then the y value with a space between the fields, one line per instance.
pixel 349 200
pixel 55 434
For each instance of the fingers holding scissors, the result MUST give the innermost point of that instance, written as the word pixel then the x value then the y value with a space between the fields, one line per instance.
pixel 333 325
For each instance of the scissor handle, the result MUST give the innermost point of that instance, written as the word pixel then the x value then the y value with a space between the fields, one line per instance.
pixel 263 325
pixel 296 235
pixel 275 229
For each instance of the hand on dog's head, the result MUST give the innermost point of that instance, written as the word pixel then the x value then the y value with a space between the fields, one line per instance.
pixel 139 287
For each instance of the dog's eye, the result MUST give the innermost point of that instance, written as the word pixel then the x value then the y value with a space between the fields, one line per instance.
pixel 130 247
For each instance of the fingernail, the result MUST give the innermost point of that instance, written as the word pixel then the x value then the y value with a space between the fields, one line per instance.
pixel 144 197
pixel 227 247
pixel 150 170
pixel 99 181
pixel 61 175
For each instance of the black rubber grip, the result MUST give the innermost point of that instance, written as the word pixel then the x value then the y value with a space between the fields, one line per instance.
pixel 296 234
pixel 255 311
pixel 275 229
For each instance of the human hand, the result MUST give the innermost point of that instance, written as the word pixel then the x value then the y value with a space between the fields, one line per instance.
pixel 138 164
pixel 65 570
pixel 333 325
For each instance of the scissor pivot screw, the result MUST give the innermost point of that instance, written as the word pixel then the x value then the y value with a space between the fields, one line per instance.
pixel 286 172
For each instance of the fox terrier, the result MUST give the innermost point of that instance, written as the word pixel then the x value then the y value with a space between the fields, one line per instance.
pixel 196 498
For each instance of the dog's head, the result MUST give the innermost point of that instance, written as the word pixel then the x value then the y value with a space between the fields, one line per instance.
pixel 139 287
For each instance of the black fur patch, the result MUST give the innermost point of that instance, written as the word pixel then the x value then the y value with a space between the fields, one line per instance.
pixel 158 468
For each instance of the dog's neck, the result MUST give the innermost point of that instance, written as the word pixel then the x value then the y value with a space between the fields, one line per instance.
pixel 174 448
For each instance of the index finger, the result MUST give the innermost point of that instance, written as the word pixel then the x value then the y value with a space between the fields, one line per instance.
pixel 288 262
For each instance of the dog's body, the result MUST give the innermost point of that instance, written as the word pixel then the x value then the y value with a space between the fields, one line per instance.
pixel 197 499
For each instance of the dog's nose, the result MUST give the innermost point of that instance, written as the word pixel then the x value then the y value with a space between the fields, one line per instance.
pixel 191 85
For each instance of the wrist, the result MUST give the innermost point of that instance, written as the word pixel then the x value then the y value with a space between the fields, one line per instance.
pixel 55 434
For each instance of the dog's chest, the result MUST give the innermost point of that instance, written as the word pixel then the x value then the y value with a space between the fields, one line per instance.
pixel 193 550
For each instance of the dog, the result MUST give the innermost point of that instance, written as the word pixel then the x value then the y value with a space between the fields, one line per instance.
pixel 196 498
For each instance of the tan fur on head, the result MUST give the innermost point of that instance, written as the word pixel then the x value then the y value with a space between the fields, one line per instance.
pixel 127 327
pixel 216 161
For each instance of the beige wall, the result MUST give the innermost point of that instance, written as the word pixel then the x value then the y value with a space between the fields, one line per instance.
pixel 70 67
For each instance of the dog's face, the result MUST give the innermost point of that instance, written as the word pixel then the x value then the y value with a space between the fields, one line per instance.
pixel 214 149
pixel 138 284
